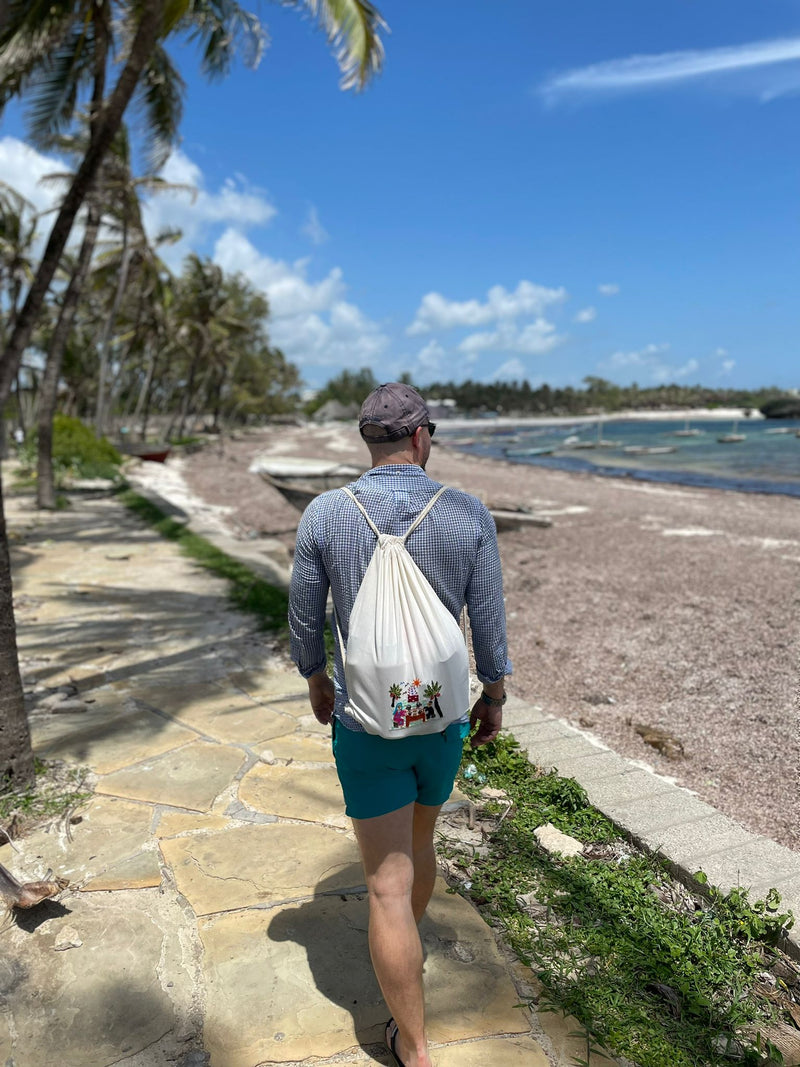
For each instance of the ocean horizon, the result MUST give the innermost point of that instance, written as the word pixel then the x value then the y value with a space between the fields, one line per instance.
pixel 654 448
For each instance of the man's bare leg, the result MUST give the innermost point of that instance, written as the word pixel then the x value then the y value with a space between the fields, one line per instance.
pixel 424 857
pixel 387 845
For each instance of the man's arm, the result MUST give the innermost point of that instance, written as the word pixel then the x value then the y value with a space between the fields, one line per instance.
pixel 308 597
pixel 487 617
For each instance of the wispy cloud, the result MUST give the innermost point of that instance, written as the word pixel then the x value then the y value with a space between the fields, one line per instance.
pixel 669 68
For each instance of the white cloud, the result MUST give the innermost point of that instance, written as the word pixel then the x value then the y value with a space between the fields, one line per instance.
pixel 286 284
pixel 727 366
pixel 511 370
pixel 313 229
pixel 429 358
pixel 195 211
pixel 22 167
pixel 533 339
pixel 671 68
pixel 437 313
pixel 309 320
pixel 720 352
pixel 586 315
pixel 608 289
pixel 651 361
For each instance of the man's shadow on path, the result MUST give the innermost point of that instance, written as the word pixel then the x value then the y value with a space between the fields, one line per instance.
pixel 332 928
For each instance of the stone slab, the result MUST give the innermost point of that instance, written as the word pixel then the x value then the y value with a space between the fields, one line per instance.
pixel 172 823
pixel 268 684
pixel 593 766
pixel 301 748
pixel 310 794
pixel 552 753
pixel 218 711
pixel 91 1005
pixel 242 866
pixel 687 843
pixel 496 1052
pixel 106 739
pixel 463 967
pixel 190 777
pixel 532 736
pixel 610 794
pixel 322 995
pixel 649 817
pixel 759 862
pixel 518 713
pixel 112 840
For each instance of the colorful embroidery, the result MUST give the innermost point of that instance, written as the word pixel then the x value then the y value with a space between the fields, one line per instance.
pixel 407 706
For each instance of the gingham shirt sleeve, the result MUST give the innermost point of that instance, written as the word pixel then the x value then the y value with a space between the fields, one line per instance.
pixel 308 597
pixel 486 608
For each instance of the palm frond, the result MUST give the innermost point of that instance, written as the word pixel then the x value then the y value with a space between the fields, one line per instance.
pixel 223 28
pixel 56 85
pixel 27 44
pixel 161 92
pixel 352 27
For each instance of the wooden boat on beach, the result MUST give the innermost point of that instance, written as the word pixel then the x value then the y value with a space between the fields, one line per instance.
pixel 299 492
pixel 148 451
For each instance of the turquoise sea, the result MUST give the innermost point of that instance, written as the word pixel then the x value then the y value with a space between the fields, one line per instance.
pixel 765 461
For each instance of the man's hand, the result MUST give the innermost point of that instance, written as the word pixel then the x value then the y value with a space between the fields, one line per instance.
pixel 321 695
pixel 488 719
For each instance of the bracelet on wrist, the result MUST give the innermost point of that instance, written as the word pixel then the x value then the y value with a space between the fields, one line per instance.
pixel 494 702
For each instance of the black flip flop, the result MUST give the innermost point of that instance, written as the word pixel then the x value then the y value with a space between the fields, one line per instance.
pixel 391 1042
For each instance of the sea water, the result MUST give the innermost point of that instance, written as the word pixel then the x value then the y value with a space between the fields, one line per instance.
pixel 763 462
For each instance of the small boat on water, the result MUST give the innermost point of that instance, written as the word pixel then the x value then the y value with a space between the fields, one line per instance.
pixel 649 450
pixel 733 437
pixel 520 453
pixel 687 431
pixel 781 429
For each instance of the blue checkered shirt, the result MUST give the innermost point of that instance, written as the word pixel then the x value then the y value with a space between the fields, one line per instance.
pixel 455 547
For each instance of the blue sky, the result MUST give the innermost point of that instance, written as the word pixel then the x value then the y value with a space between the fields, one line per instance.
pixel 526 191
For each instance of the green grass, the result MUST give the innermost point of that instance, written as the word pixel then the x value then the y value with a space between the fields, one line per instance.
pixel 663 976
pixel 56 790
pixel 247 591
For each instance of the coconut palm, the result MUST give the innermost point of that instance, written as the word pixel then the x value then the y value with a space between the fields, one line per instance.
pixel 56 52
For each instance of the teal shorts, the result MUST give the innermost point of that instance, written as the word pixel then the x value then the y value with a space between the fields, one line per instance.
pixel 379 775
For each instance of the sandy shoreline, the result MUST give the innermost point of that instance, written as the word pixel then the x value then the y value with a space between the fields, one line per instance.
pixel 679 414
pixel 643 604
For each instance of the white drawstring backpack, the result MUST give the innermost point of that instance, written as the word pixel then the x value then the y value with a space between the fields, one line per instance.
pixel 406 664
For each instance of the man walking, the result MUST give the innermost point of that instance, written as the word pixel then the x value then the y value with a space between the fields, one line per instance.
pixel 394 788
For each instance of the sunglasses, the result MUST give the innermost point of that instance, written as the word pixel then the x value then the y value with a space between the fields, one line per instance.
pixel 431 427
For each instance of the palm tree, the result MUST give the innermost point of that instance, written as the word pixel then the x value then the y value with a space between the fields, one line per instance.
pixel 18 221
pixel 51 51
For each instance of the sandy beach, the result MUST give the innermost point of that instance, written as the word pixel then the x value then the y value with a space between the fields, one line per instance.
pixel 642 605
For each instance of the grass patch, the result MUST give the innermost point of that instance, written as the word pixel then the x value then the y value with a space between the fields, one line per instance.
pixel 57 790
pixel 661 975
pixel 247 591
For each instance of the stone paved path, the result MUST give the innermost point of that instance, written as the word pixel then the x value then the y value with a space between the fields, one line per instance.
pixel 217 913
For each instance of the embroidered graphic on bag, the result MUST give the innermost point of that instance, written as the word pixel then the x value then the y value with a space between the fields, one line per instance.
pixel 412 709
pixel 405 662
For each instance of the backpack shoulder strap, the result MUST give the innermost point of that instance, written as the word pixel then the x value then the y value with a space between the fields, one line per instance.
pixel 413 525
pixel 362 509
pixel 423 513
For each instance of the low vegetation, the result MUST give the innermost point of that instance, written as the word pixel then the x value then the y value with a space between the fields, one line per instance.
pixel 77 453
pixel 57 792
pixel 662 975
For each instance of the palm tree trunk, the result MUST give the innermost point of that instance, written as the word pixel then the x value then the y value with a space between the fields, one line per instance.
pixel 107 127
pixel 48 393
pixel 16 754
pixel 105 343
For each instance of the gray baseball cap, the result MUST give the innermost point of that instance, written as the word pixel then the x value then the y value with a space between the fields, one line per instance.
pixel 390 412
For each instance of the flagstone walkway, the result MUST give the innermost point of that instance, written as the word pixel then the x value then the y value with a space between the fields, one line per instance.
pixel 216 914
